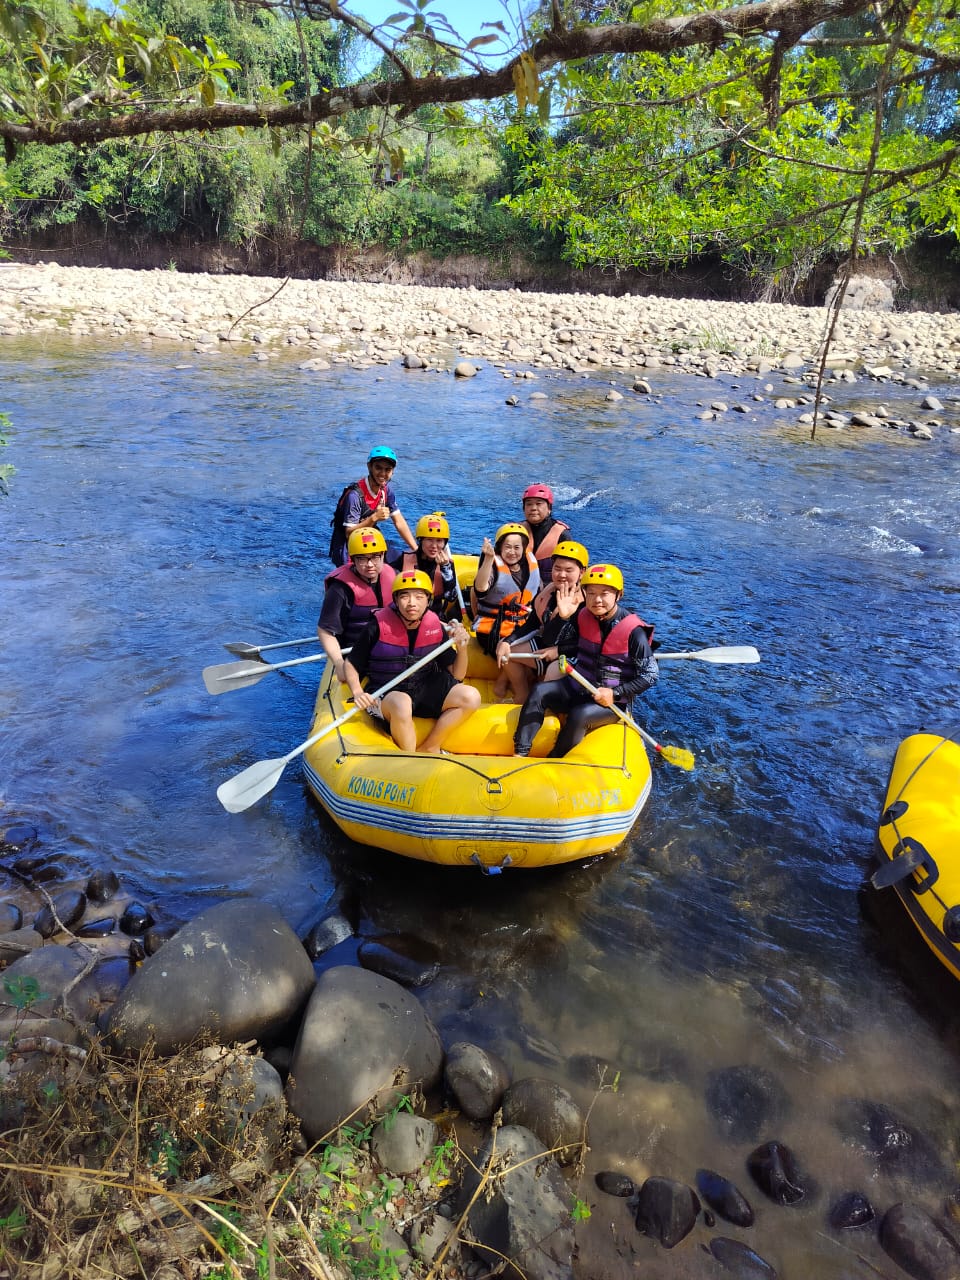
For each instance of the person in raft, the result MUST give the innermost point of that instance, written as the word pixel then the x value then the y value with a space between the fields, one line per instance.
pixel 536 642
pixel 503 590
pixel 433 558
pixel 372 500
pixel 613 652
pixel 353 592
pixel 544 528
pixel 394 639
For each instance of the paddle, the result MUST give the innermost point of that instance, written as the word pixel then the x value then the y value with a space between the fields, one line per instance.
pixel 253 650
pixel 246 788
pixel 679 756
pixel 239 675
pixel 727 653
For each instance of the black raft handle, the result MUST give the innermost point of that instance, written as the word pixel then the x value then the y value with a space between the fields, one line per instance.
pixel 909 856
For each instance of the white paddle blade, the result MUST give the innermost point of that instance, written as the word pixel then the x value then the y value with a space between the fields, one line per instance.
pixel 727 653
pixel 233 675
pixel 246 788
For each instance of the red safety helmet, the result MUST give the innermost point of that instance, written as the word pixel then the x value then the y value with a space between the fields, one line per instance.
pixel 538 491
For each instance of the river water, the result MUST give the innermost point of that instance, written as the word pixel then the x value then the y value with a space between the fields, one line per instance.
pixel 166 503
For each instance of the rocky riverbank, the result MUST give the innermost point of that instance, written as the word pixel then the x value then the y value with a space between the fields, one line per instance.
pixel 187 1096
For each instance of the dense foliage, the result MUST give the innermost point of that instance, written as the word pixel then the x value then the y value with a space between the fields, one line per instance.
pixel 773 134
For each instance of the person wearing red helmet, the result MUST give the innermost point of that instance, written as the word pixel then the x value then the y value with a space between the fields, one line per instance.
pixel 367 502
pixel 545 529
pixel 612 650
pixel 395 638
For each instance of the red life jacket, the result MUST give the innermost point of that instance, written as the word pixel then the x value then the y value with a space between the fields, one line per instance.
pixel 544 553
pixel 364 598
pixel 391 652
pixel 503 592
pixel 607 664
pixel 411 561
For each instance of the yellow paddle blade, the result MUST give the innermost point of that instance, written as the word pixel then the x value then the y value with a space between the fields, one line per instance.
pixel 679 756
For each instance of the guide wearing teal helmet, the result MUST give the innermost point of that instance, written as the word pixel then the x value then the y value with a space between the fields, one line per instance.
pixel 367 502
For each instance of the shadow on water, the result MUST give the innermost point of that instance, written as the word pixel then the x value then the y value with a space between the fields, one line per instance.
pixel 163 506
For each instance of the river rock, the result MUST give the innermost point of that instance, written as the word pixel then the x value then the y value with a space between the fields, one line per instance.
pixel 734 1255
pixel 102 886
pixel 97 991
pixel 897 1148
pixel 36 982
pixel 915 1242
pixel 403 1143
pixel 363 1039
pixel 615 1184
pixel 549 1111
pixel 157 935
pixel 464 369
pixel 19 835
pixel 745 1101
pixel 666 1210
pixel 429 1234
pixel 11 917
pixel 851 1210
pixel 523 1214
pixel 403 960
pixel 477 1078
pixel 64 911
pixel 101 928
pixel 724 1198
pixel 327 933
pixel 774 1169
pixel 247 1088
pixel 136 918
pixel 237 971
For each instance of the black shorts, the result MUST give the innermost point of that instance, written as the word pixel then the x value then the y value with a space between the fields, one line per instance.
pixel 429 698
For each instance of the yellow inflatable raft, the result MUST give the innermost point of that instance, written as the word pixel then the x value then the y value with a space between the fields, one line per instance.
pixel 919 840
pixel 478 804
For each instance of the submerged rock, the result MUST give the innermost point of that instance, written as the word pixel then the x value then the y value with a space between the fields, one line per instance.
pixel 746 1101
pixel 477 1078
pixel 65 910
pixel 734 1255
pixel 666 1210
pixel 550 1112
pixel 615 1184
pixel 102 886
pixel 724 1198
pixel 915 1242
pixel 851 1210
pixel 774 1169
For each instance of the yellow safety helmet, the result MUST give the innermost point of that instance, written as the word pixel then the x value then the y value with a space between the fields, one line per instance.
pixel 603 575
pixel 366 542
pixel 433 526
pixel 572 551
pixel 412 580
pixel 506 529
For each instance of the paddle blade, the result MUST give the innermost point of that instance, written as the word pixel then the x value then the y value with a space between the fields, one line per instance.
pixel 243 650
pixel 679 756
pixel 246 788
pixel 723 653
pixel 233 675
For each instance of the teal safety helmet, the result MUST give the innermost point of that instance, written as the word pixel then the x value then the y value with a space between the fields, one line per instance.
pixel 381 451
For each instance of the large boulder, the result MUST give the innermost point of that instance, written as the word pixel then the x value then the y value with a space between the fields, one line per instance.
pixel 522 1216
pixel 364 1039
pixel 915 1242
pixel 237 972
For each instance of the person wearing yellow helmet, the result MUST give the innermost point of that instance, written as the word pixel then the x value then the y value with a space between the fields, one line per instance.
pixel 395 638
pixel 352 593
pixel 507 580
pixel 433 558
pixel 546 531
pixel 366 503
pixel 535 642
pixel 613 651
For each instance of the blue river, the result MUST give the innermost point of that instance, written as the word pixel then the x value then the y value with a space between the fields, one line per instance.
pixel 166 503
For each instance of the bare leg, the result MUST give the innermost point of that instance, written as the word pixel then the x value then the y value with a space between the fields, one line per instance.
pixel 460 702
pixel 397 710
pixel 520 678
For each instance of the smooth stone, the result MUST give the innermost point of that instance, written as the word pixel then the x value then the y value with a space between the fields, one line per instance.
pixel 550 1112
pixel 102 886
pixel 590 1070
pixel 408 970
pixel 477 1078
pixel 18 943
pixel 744 1101
pixel 734 1255
pixel 97 991
pixel 327 934
pixel 49 971
pixel 464 369
pixel 851 1210
pixel 19 835
pixel 897 1147
pixel 157 935
pixel 429 1234
pixel 524 1213
pixel 403 1144
pixel 774 1169
pixel 666 1210
pixel 412 361
pixel 136 919
pixel 236 971
pixel 97 928
pixel 615 1184
pixel 11 917
pixel 364 1039
pixel 66 910
pixel 724 1198
pixel 915 1242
